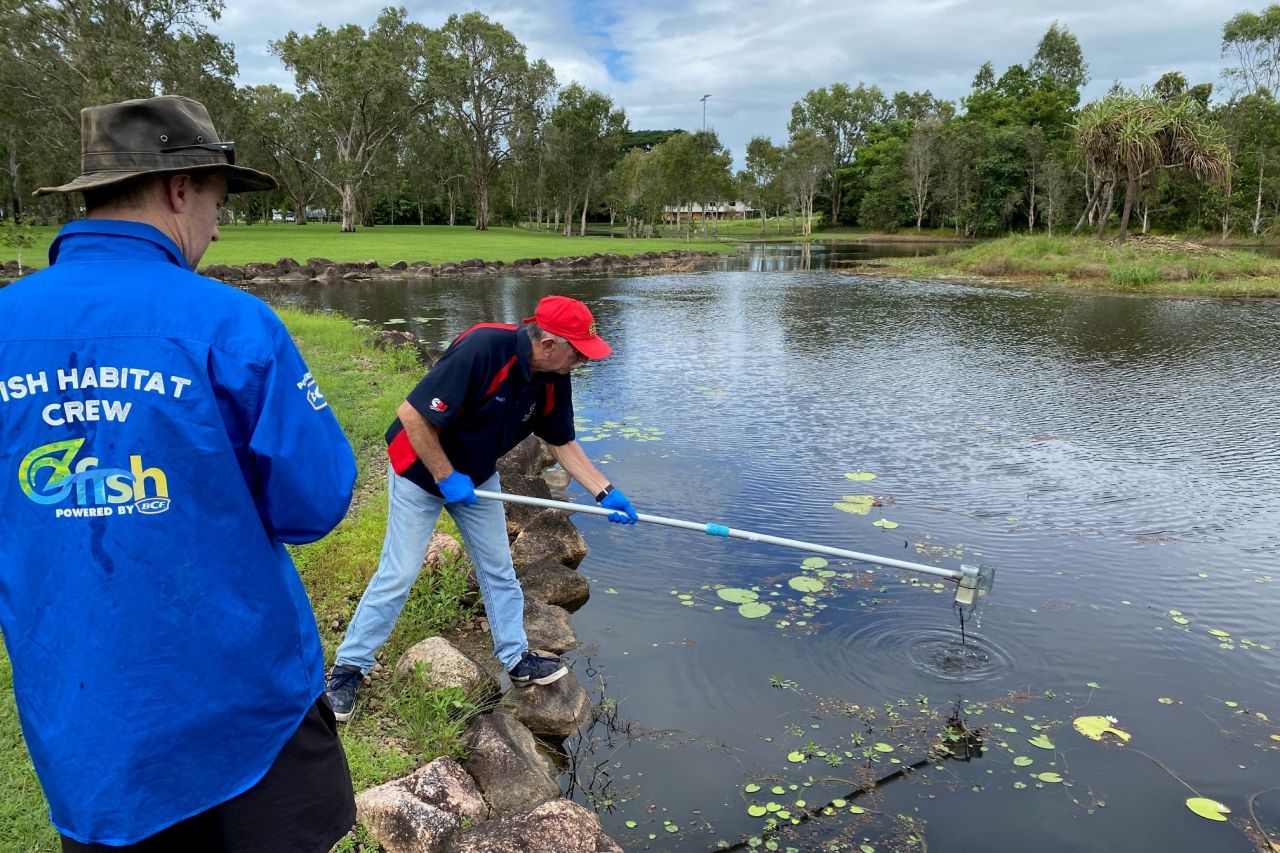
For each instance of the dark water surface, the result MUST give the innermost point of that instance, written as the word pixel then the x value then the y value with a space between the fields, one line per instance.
pixel 1114 457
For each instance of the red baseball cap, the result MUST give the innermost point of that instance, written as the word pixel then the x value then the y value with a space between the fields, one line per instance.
pixel 571 320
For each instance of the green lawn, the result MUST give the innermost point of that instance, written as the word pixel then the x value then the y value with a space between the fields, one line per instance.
pixel 396 726
pixel 241 244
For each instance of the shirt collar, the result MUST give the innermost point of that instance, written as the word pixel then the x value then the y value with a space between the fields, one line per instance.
pixel 98 239
pixel 524 351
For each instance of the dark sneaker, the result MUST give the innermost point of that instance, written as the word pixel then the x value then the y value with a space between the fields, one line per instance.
pixel 533 669
pixel 340 689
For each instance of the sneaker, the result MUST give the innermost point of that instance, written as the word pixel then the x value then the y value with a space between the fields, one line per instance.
pixel 340 689
pixel 533 669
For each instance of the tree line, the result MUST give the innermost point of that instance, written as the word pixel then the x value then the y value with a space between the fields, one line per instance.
pixel 399 123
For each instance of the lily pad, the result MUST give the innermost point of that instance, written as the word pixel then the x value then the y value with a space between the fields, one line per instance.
pixel 858 504
pixel 814 563
pixel 1023 761
pixel 1218 632
pixel 757 811
pixel 754 609
pixel 860 476
pixel 804 583
pixel 795 757
pixel 1047 776
pixel 1041 741
pixel 883 747
pixel 1096 727
pixel 885 523
pixel 751 788
pixel 1207 808
pixel 737 596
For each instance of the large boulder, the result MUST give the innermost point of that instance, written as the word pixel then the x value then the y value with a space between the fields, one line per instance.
pixel 560 826
pixel 528 457
pixel 529 485
pixel 554 583
pixel 420 812
pixel 446 666
pixel 553 710
pixel 549 535
pixel 442 549
pixel 504 761
pixel 548 627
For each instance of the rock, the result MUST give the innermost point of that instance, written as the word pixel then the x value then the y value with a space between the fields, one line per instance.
pixel 287 264
pixel 557 479
pixel 445 666
pixel 548 626
pixel 399 265
pixel 270 272
pixel 553 710
pixel 443 547
pixel 369 264
pixel 527 458
pixel 420 812
pixel 505 763
pixel 519 515
pixel 319 262
pixel 549 535
pixel 553 583
pixel 560 826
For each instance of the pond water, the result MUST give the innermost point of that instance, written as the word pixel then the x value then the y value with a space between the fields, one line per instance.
pixel 1115 458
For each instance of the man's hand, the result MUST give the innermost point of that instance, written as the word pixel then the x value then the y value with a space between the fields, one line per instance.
pixel 457 488
pixel 617 500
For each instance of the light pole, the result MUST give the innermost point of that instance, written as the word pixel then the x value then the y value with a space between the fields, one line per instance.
pixel 704 110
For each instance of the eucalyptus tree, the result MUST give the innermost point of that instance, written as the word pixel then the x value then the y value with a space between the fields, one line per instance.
pixel 807 157
pixel 1127 138
pixel 1252 126
pixel 711 178
pixel 59 56
pixel 763 177
pixel 922 161
pixel 276 130
pixel 484 84
pixel 363 89
pixel 677 160
pixel 1253 40
pixel 843 116
pixel 1059 58
pixel 584 133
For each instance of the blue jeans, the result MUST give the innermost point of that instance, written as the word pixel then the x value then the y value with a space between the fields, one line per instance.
pixel 411 516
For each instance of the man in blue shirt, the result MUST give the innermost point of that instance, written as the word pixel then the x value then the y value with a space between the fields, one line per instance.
pixel 494 386
pixel 161 440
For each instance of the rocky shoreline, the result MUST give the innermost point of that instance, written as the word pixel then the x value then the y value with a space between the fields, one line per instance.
pixel 323 270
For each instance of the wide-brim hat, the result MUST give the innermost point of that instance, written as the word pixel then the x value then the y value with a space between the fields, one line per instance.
pixel 571 320
pixel 168 135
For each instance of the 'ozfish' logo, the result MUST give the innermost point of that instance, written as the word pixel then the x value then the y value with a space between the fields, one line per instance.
pixel 51 474
pixel 314 396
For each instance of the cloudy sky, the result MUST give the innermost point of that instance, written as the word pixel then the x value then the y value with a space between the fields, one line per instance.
pixel 657 58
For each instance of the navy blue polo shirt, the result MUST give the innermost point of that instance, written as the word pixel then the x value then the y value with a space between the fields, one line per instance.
pixel 483 399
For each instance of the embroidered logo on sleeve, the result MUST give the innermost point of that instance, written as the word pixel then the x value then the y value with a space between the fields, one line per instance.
pixel 314 397
pixel 438 405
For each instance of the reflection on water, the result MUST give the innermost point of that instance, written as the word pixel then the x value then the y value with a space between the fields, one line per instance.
pixel 790 257
pixel 1114 457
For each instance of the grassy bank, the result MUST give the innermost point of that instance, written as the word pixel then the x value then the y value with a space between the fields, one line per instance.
pixel 396 727
pixel 242 244
pixel 1140 264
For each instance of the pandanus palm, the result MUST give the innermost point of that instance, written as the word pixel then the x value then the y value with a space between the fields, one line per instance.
pixel 1127 137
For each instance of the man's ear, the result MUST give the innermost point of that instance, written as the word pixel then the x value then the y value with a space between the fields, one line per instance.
pixel 179 192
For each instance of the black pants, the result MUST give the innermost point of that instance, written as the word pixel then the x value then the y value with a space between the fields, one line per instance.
pixel 303 805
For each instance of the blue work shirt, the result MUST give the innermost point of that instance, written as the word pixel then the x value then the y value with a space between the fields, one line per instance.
pixel 483 398
pixel 160 440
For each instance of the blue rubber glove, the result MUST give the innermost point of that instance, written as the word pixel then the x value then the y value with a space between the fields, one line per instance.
pixel 617 500
pixel 457 488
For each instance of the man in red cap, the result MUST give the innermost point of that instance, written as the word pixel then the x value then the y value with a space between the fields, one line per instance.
pixel 495 385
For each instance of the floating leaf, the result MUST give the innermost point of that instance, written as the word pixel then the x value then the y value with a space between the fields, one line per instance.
pixel 860 476
pixel 856 810
pixel 1181 620
pixel 631 824
pixel 1218 632
pixel 885 523
pixel 1207 808
pixel 883 747
pixel 1047 776
pixel 1165 700
pixel 778 789
pixel 1094 727
pixel 754 609
pixel 804 583
pixel 737 596
pixel 796 757
pixel 1175 612
pixel 859 504
pixel 671 827
pixel 751 788
pixel 1023 761
pixel 1041 741
pixel 814 563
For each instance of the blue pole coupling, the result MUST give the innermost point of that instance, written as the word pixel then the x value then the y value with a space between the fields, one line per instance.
pixel 717 530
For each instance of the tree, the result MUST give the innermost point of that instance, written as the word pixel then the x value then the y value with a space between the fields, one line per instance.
pixel 843 117
pixel 276 129
pixel 485 86
pixel 1127 138
pixel 363 88
pixel 806 159
pixel 921 163
pixel 1254 40
pixel 763 175
pixel 584 137
pixel 1058 58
